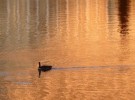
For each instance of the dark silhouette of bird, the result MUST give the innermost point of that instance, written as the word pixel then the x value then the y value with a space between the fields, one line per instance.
pixel 43 68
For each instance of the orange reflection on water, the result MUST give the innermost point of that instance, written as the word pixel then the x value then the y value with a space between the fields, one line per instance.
pixel 89 43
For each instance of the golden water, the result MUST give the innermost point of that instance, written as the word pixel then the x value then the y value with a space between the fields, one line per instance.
pixel 90 44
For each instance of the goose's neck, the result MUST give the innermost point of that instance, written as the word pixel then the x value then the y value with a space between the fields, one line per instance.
pixel 39 64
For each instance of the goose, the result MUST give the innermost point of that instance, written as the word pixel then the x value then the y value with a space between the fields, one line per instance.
pixel 43 68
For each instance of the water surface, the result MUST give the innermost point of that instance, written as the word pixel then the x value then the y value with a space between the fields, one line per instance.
pixel 90 44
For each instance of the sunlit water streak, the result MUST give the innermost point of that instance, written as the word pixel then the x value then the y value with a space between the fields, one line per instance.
pixel 90 44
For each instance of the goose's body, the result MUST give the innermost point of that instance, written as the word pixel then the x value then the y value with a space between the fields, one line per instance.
pixel 43 68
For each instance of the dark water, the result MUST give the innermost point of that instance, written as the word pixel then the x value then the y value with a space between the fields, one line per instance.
pixel 90 44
